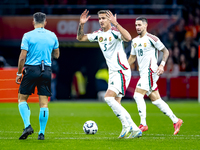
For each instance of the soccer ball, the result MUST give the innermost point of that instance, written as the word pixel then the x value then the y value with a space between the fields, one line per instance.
pixel 90 127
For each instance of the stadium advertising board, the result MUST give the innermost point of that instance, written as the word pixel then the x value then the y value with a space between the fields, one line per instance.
pixel 65 27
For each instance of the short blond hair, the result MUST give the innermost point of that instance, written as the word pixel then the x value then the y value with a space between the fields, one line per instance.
pixel 102 11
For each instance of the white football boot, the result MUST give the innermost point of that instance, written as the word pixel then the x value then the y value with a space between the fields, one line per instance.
pixel 135 134
pixel 125 131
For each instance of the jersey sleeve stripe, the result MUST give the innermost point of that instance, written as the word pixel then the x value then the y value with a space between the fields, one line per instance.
pixel 114 28
pixel 98 30
pixel 152 37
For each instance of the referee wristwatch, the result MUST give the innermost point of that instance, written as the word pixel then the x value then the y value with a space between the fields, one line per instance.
pixel 19 74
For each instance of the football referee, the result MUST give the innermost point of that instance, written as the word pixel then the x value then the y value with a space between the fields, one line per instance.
pixel 37 48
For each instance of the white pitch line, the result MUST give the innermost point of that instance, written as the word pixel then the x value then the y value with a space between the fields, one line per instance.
pixel 172 135
pixel 100 138
pixel 154 136
pixel 50 132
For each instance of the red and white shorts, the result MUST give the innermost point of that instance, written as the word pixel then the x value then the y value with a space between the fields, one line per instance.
pixel 119 81
pixel 148 82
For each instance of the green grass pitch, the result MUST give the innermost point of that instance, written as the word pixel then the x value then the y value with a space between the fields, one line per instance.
pixel 65 127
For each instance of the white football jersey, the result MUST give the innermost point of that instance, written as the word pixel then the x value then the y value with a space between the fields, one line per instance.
pixel 146 50
pixel 111 45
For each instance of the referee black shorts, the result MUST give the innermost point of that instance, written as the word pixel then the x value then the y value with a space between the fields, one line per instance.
pixel 34 76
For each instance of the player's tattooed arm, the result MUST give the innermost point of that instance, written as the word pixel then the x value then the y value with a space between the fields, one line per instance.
pixel 83 19
pixel 80 32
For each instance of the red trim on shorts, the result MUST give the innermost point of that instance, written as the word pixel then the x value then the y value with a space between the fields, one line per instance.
pixel 151 70
pixel 151 78
pixel 124 82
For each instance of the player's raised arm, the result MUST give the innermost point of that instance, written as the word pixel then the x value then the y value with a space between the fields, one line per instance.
pixel 80 33
pixel 113 19
pixel 160 69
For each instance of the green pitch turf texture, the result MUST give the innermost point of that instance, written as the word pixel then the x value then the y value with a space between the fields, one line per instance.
pixel 66 119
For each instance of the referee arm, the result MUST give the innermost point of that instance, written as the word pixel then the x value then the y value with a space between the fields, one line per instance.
pixel 21 62
pixel 56 53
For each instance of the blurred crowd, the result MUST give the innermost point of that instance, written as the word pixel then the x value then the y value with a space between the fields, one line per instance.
pixel 182 40
pixel 58 7
pixel 110 2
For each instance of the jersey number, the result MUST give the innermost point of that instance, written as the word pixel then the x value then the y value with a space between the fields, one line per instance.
pixel 105 48
pixel 140 52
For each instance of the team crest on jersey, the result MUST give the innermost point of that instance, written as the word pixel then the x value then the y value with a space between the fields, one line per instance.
pixel 134 45
pixel 110 38
pixel 100 39
pixel 145 44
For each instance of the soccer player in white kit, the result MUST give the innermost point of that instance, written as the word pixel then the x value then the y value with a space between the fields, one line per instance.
pixel 145 48
pixel 110 39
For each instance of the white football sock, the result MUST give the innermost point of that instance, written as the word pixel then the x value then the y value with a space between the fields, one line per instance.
pixel 117 109
pixel 141 105
pixel 165 109
pixel 129 120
